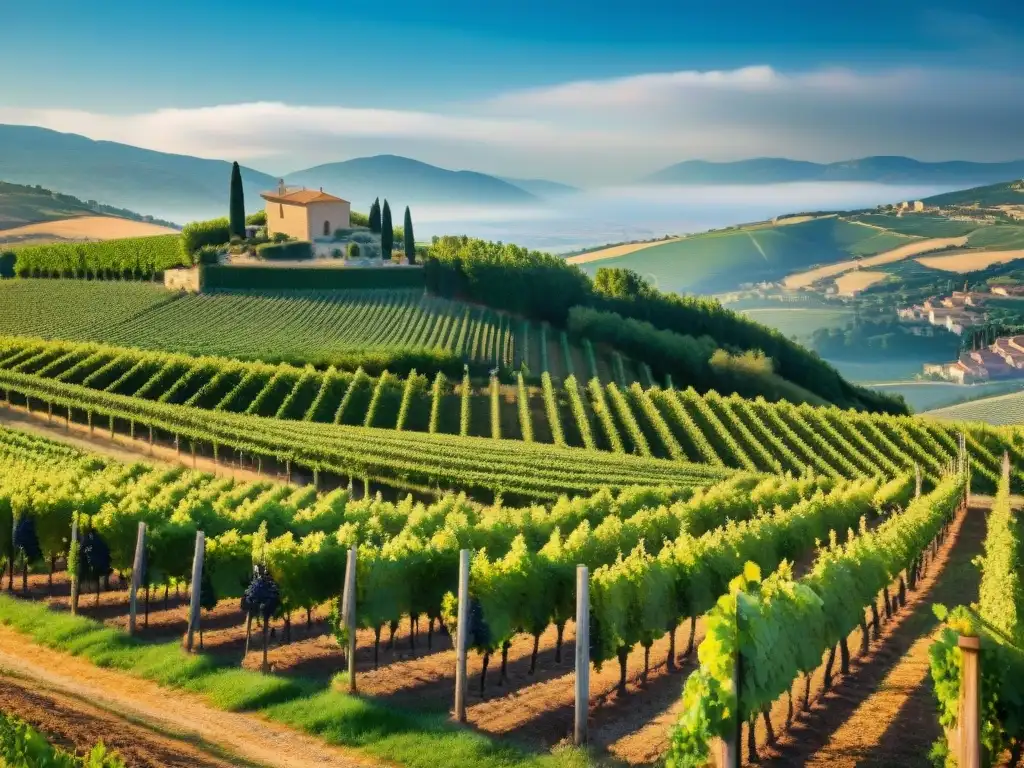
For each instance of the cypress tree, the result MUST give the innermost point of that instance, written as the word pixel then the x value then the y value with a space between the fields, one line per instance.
pixel 409 240
pixel 387 234
pixel 236 203
pixel 375 216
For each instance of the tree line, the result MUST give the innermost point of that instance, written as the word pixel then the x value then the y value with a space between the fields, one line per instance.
pixel 544 287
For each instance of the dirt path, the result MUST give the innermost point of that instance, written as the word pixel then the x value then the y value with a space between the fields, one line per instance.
pixel 76 725
pixel 250 737
pixel 120 447
pixel 883 713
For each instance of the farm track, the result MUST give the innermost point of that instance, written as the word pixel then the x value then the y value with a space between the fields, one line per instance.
pixel 883 712
pixel 250 737
pixel 76 725
pixel 535 710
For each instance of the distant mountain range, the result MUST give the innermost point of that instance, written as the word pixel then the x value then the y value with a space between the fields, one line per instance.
pixel 884 170
pixel 183 188
pixel 174 187
pixel 408 182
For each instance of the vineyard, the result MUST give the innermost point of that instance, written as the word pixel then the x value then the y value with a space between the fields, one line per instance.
pixel 313 418
pixel 683 547
pixel 412 499
pixel 130 258
pixel 372 328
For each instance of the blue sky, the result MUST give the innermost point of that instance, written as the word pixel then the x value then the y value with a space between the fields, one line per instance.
pixel 456 82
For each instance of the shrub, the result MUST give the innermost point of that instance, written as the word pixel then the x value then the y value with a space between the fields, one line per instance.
pixel 7 259
pixel 291 251
pixel 365 236
pixel 336 253
pixel 280 237
pixel 199 233
pixel 207 254
pixel 353 251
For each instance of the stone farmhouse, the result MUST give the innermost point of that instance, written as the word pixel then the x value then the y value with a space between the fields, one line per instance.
pixel 305 214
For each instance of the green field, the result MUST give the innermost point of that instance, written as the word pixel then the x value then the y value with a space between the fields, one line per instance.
pixel 918 224
pixel 719 261
pixel 884 371
pixel 1001 237
pixel 1004 409
pixel 800 322
pixel 929 395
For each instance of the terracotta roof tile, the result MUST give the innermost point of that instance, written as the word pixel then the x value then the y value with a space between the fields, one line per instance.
pixel 302 197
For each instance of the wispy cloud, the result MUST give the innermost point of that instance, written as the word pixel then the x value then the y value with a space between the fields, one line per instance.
pixel 613 129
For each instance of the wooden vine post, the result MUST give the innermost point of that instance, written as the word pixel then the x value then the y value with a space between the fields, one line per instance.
pixel 579 732
pixel 197 588
pixel 725 752
pixel 461 638
pixel 138 566
pixel 74 570
pixel 348 616
pixel 968 737
pixel 917 480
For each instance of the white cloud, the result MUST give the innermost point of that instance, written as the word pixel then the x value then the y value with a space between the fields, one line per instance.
pixel 617 129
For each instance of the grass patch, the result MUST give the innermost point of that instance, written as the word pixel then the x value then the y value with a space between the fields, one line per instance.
pixel 719 261
pixel 919 224
pixel 1002 237
pixel 415 739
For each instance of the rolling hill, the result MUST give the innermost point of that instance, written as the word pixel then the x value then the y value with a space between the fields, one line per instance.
pixel 408 182
pixel 1004 193
pixel 22 205
pixel 886 170
pixel 1002 409
pixel 175 187
pixel 719 261
pixel 182 188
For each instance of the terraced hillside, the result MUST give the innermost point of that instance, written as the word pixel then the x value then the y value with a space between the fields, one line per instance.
pixel 347 423
pixel 372 328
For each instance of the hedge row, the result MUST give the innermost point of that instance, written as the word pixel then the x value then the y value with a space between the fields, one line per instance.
pixel 294 250
pixel 223 277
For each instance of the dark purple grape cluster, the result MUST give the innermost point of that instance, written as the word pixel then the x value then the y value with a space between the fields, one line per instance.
pixel 479 631
pixel 95 555
pixel 262 596
pixel 25 538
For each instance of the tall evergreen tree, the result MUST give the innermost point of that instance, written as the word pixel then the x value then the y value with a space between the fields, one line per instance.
pixel 387 234
pixel 236 209
pixel 375 216
pixel 409 240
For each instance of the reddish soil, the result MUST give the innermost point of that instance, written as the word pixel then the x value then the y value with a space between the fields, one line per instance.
pixel 76 726
pixel 246 738
pixel 883 712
